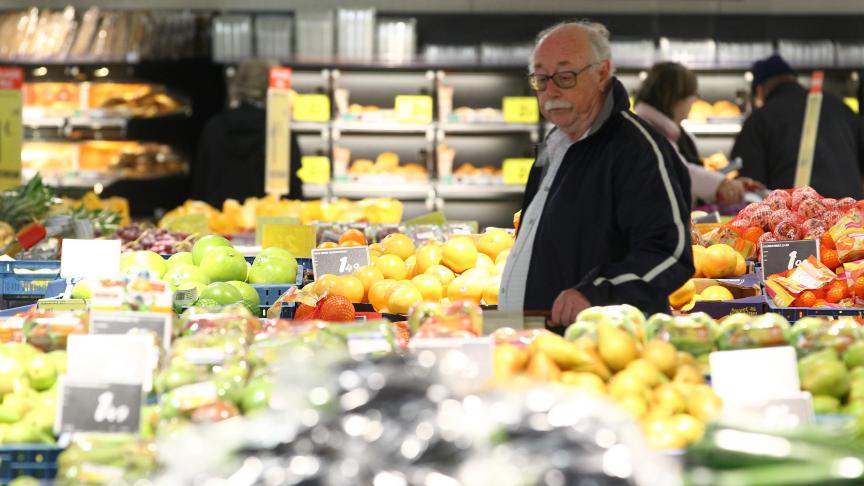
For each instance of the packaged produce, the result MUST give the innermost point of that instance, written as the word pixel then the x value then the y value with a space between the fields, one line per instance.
pixel 48 331
pixel 692 333
pixel 811 275
pixel 812 334
pixel 462 318
pixel 136 292
pixel 97 459
pixel 626 316
pixel 848 236
pixel 741 331
pixel 232 319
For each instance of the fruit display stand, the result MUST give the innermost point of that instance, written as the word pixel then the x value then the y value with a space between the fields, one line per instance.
pixel 36 461
pixel 746 295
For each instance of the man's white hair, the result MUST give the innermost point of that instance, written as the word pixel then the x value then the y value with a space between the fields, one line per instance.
pixel 598 37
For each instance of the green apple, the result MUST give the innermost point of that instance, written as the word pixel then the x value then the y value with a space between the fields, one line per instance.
pixel 42 418
pixel 41 372
pixel 19 351
pixel 22 433
pixel 180 258
pixel 9 415
pixel 256 396
pixel 185 273
pixel 25 481
pixel 59 359
pixel 205 244
pixel 11 372
pixel 175 377
pixel 273 270
pixel 20 402
pixel 222 293
pixel 83 289
pixel 275 252
pixel 144 260
pixel 251 299
pixel 223 264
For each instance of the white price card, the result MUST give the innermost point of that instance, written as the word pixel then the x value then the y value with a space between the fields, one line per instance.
pixel 755 374
pixel 90 258
pixel 103 359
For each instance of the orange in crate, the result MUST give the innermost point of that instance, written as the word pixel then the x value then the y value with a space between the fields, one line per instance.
pixel 354 235
pixel 834 295
pixel 806 299
pixel 827 241
pixel 829 258
pixel 753 233
pixel 858 286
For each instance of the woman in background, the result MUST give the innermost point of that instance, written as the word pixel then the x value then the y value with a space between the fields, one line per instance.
pixel 664 101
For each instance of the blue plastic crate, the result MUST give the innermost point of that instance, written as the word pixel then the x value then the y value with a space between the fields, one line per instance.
pixel 36 460
pixel 28 283
pixel 793 314
pixel 30 292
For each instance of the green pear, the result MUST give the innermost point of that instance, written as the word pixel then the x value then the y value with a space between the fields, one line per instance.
pixel 824 404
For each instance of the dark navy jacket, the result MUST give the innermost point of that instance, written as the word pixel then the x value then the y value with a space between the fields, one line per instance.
pixel 616 223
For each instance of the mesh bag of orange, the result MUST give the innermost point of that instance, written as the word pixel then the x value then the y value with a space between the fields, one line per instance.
pixel 788 290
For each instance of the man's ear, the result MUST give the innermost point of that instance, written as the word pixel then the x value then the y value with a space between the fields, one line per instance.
pixel 605 73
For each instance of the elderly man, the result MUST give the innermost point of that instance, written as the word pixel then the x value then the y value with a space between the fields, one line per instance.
pixel 605 219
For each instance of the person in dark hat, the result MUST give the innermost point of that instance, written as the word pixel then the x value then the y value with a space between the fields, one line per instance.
pixel 231 152
pixel 770 138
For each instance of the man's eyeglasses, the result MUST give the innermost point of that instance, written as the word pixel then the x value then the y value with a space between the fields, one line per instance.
pixel 562 79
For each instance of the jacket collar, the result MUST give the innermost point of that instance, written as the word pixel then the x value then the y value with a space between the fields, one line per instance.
pixel 787 87
pixel 658 120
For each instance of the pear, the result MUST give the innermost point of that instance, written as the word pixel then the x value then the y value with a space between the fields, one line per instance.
pixel 648 372
pixel 689 374
pixel 662 355
pixel 616 346
pixel 543 368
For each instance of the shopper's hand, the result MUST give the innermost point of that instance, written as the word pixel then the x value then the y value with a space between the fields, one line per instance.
pixel 567 306
pixel 750 185
pixel 730 192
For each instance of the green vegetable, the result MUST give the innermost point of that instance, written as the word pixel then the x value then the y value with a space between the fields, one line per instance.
pixel 26 204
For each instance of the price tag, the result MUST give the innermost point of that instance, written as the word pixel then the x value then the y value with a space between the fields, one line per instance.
pixel 712 218
pixel 755 374
pixel 516 171
pixel 10 126
pixel 339 261
pixel 190 223
pixel 108 408
pixel 89 258
pixel 414 109
pixel 314 169
pixel 520 109
pixel 852 103
pixel 776 413
pixel 280 78
pixel 61 305
pixel 278 142
pixel 299 239
pixel 260 221
pixel 779 256
pixel 123 322
pixel 311 108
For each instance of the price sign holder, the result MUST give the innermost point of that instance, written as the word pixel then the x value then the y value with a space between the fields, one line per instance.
pixel 314 169
pixel 339 261
pixel 299 239
pixel 779 256
pixel 711 218
pixel 516 171
pixel 190 223
pixel 414 109
pixel 11 127
pixel 123 322
pixel 435 217
pixel 520 109
pixel 105 408
pixel 89 258
pixel 311 108
pixel 278 145
pixel 260 221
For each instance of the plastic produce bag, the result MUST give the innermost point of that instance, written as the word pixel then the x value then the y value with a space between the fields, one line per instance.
pixel 106 459
pixel 691 333
pixel 625 316
pixel 812 334
pixel 741 331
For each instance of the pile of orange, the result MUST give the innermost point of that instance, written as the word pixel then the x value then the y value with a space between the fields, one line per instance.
pixel 401 275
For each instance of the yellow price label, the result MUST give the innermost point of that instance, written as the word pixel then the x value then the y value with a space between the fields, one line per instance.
pixel 299 239
pixel 278 142
pixel 10 138
pixel 852 103
pixel 314 169
pixel 311 108
pixel 520 109
pixel 516 170
pixel 190 223
pixel 414 109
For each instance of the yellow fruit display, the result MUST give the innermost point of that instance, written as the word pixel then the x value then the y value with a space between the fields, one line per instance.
pixel 508 361
pixel 627 383
pixel 484 262
pixel 411 266
pixel 716 292
pixel 429 286
pixel 740 265
pixel 348 286
pixel 368 275
pixel 634 404
pixel 490 291
pixel 463 288
pixel 442 273
pixel 428 256
pixel 645 370
pixel 543 368
pixel 584 381
pixel 719 261
pixel 616 346
pixel 459 254
pixel 683 295
pixel 398 244
pixel 662 355
pixel 402 297
pixel 698 257
pixel 379 293
pixel 502 257
pixel 324 283
pixel 493 242
pixel 392 267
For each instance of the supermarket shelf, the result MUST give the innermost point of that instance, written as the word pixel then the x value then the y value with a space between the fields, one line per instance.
pixel 479 192
pixel 457 128
pixel 358 190
pixel 309 127
pixel 389 127
pixel 314 191
pixel 90 179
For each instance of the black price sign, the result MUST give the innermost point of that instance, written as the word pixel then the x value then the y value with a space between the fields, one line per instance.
pixel 779 256
pixel 710 218
pixel 112 408
pixel 339 261
pixel 123 322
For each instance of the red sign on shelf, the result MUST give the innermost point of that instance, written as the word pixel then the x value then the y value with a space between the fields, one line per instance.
pixel 280 78
pixel 11 77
